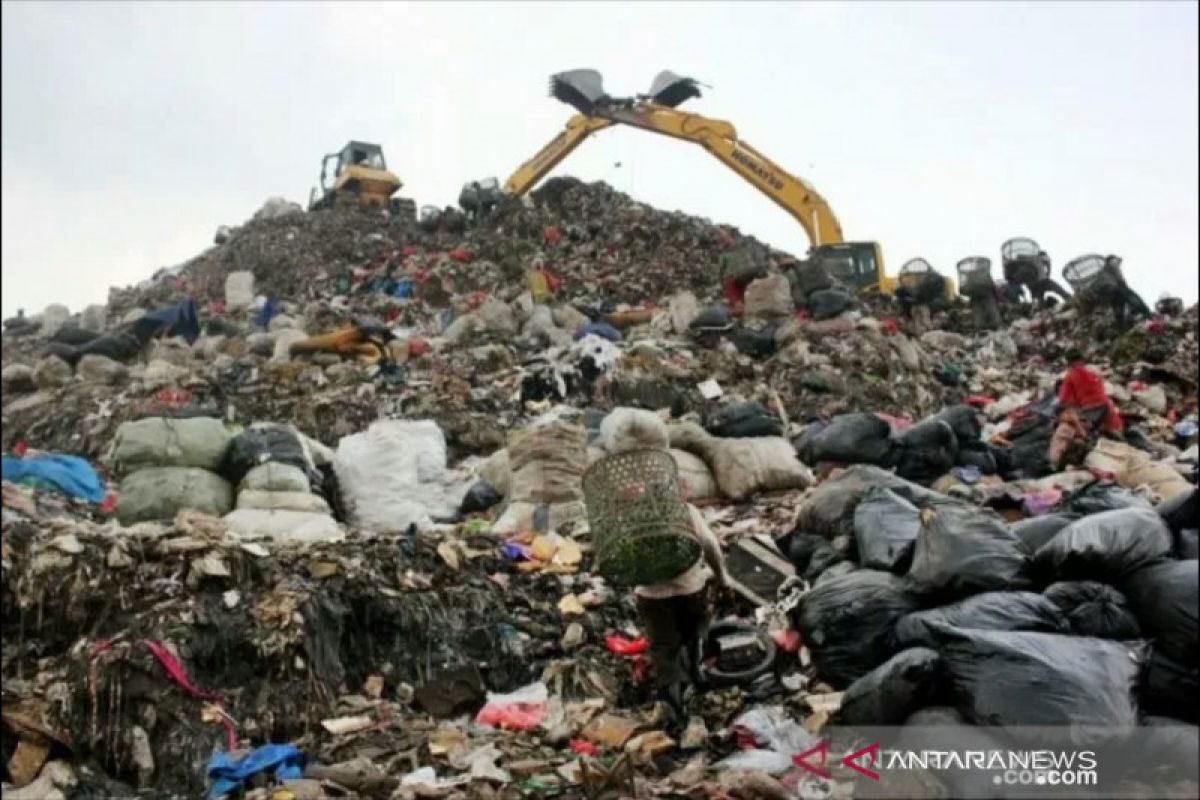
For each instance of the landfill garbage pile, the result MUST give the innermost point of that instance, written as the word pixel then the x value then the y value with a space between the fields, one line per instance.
pixel 312 516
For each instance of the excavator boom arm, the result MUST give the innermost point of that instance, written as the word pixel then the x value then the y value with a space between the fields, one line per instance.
pixel 528 174
pixel 718 137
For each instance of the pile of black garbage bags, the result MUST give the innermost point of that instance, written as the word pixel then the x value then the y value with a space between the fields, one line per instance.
pixel 927 610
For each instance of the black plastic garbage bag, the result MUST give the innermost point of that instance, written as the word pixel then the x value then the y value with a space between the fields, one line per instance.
pixel 1170 687
pixel 936 716
pixel 1094 609
pixel 1165 600
pixel 847 623
pixel 1036 531
pixel 828 303
pixel 1105 546
pixel 829 511
pixel 1097 497
pixel 1187 544
pixel 927 451
pixel 990 611
pixel 964 420
pixel 885 530
pixel 1180 511
pixel 756 344
pixel 984 459
pixel 836 571
pixel 848 439
pixel 1043 680
pixel 738 420
pixel 811 555
pixel 888 694
pixel 259 445
pixel 73 335
pixel 480 497
pixel 964 550
pixel 715 318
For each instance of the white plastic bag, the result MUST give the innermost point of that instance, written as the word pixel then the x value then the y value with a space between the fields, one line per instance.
pixel 392 476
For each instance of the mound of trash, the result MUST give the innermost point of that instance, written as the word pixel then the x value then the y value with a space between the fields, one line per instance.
pixel 306 517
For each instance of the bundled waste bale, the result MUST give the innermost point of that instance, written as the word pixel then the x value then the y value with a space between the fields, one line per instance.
pixel 962 550
pixel 990 611
pixel 547 463
pixel 1181 517
pixel 274 476
pixel 830 509
pixel 159 493
pixel 392 475
pixel 694 476
pixel 633 429
pixel 1036 531
pixel 848 439
pixel 743 467
pixel 282 501
pixel 169 442
pixel 892 691
pixel 1094 609
pixel 283 525
pixel 847 623
pixel 885 529
pixel 262 444
pixel 1106 546
pixel 1042 680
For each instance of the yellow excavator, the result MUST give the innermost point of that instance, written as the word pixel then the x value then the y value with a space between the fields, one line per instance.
pixel 857 264
pixel 359 176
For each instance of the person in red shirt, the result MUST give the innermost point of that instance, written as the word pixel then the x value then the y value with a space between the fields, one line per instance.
pixel 1083 406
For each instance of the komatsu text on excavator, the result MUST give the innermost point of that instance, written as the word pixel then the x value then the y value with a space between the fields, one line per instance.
pixel 858 264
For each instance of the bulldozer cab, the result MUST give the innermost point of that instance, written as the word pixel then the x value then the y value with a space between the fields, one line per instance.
pixel 858 265
pixel 354 154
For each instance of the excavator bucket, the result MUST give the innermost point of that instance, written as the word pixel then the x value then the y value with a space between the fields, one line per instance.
pixel 582 89
pixel 669 89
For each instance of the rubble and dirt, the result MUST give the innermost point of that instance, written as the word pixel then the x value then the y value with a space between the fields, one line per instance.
pixel 382 560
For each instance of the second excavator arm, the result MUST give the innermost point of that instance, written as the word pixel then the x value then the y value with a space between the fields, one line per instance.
pixel 718 137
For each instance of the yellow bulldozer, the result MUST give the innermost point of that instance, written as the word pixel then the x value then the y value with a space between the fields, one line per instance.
pixel 359 176
pixel 856 264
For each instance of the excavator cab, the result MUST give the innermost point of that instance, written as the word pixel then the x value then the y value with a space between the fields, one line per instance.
pixel 357 173
pixel 858 265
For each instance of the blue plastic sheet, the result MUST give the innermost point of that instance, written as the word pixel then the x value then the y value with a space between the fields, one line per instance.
pixel 601 329
pixel 228 773
pixel 178 320
pixel 71 474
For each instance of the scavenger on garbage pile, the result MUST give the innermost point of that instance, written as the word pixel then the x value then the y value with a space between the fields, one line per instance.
pixel 1100 283
pixel 920 292
pixel 675 610
pixel 1084 407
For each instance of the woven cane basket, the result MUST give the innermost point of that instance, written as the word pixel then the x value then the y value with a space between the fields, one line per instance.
pixel 641 527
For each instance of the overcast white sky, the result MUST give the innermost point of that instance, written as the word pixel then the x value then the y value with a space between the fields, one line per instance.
pixel 131 131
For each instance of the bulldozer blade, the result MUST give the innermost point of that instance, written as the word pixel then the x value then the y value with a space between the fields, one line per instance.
pixel 669 89
pixel 582 89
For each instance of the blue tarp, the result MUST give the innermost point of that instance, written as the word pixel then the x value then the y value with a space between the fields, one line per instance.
pixel 229 773
pixel 601 329
pixel 179 320
pixel 72 474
